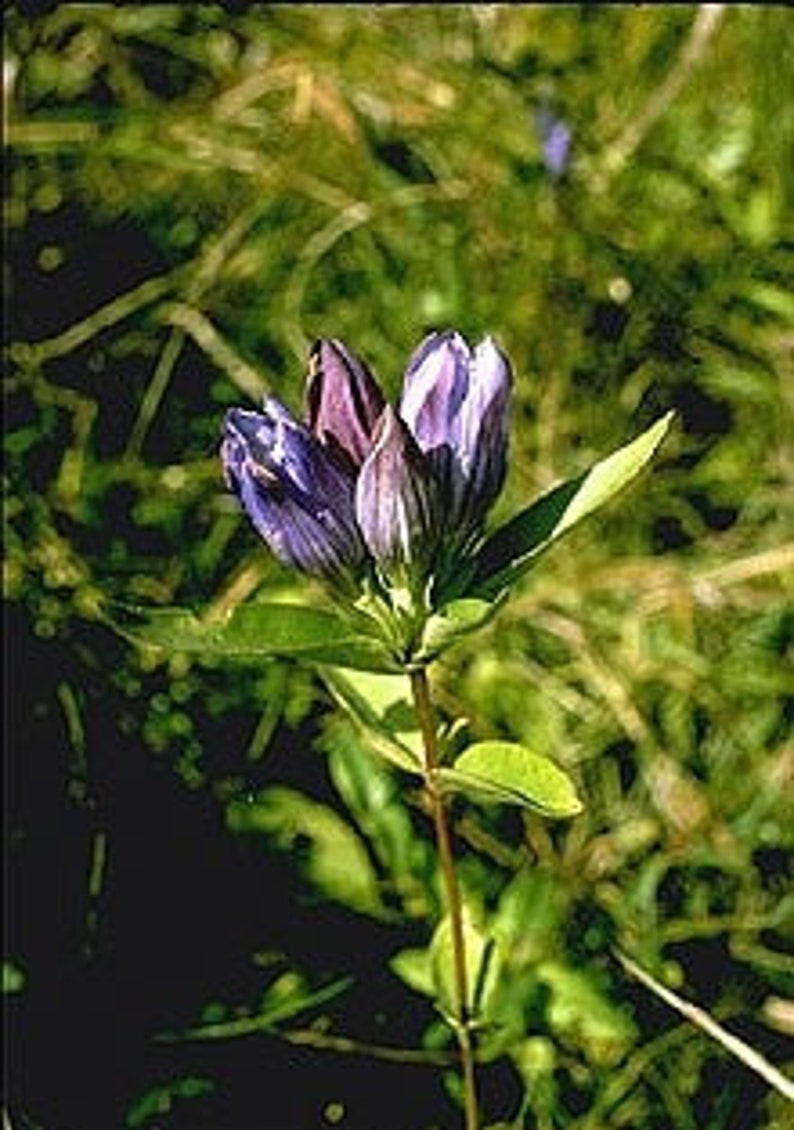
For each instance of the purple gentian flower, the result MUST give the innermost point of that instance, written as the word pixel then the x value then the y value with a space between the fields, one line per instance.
pixel 362 487
pixel 299 500
pixel 555 139
pixel 455 401
pixel 397 498
pixel 343 401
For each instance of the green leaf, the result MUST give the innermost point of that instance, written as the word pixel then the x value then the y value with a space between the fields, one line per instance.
pixel 413 967
pixel 335 858
pixel 13 978
pixel 380 707
pixel 452 622
pixel 511 550
pixel 159 1100
pixel 481 971
pixel 512 774
pixel 255 631
pixel 375 797
pixel 275 1009
pixel 581 1014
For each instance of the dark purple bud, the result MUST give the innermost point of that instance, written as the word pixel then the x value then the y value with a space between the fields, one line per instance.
pixel 343 402
pixel 455 401
pixel 555 140
pixel 298 499
pixel 396 498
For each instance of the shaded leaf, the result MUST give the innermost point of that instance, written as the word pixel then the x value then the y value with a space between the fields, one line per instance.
pixel 373 794
pixel 512 774
pixel 276 1008
pixel 511 550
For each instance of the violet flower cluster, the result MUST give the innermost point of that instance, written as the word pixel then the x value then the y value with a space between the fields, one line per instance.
pixel 363 490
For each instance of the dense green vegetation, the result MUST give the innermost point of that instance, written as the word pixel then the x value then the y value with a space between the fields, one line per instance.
pixel 220 902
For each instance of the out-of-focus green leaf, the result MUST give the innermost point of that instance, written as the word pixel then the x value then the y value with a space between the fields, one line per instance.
pixel 373 795
pixel 413 966
pixel 160 1100
pixel 513 548
pixel 276 1007
pixel 254 631
pixel 336 861
pixel 512 774
pixel 581 1014
pixel 13 978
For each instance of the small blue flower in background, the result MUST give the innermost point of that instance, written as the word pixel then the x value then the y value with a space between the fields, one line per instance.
pixel 364 490
pixel 555 139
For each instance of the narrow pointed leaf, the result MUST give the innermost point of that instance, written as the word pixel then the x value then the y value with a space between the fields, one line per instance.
pixel 514 547
pixel 254 631
pixel 508 773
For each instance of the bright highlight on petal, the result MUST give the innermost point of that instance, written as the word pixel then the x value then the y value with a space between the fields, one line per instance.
pixel 456 402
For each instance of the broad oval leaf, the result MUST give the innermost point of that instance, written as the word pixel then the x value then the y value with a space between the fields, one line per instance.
pixel 255 631
pixel 510 550
pixel 512 774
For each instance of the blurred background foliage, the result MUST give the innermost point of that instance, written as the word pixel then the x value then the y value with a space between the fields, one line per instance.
pixel 200 852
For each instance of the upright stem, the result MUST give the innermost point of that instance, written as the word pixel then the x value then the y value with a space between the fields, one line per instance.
pixel 427 726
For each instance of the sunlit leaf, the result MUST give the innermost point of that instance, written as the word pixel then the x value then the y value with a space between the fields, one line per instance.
pixel 379 704
pixel 480 964
pixel 512 774
pixel 515 546
pixel 254 631
pixel 414 968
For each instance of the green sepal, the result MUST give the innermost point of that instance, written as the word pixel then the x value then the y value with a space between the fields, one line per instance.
pixel 455 620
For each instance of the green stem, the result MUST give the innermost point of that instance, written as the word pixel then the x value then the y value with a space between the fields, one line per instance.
pixel 427 726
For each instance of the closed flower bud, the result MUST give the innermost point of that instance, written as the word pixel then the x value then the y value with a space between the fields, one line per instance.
pixel 298 499
pixel 455 401
pixel 343 402
pixel 397 500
